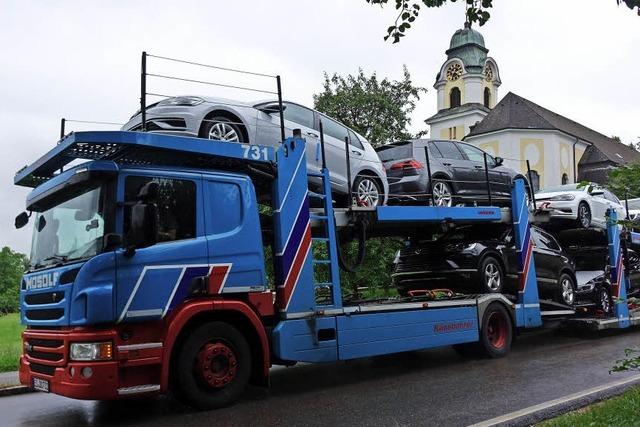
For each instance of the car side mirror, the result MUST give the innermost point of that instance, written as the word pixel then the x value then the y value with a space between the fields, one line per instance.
pixel 112 241
pixel 143 225
pixel 22 220
pixel 499 160
pixel 271 108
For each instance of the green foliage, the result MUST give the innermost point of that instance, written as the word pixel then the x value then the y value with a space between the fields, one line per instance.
pixel 377 109
pixel 373 278
pixel 12 265
pixel 477 11
pixel 10 342
pixel 625 180
pixel 618 411
pixel 630 362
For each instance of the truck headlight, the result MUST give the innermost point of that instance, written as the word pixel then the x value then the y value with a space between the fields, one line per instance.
pixel 85 351
pixel 563 197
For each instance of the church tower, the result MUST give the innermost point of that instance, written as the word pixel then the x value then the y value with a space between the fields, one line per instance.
pixel 467 86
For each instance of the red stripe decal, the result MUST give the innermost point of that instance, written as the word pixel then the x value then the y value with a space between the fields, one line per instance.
pixel 217 278
pixel 525 269
pixel 290 282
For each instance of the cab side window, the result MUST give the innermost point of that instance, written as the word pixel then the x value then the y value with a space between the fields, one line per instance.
pixel 176 203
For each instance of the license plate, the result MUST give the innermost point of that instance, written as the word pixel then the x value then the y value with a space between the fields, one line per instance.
pixel 42 385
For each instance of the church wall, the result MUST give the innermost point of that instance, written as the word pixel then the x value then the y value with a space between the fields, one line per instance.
pixel 447 89
pixel 550 153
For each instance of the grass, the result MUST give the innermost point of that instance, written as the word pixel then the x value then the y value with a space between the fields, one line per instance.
pixel 10 342
pixel 618 411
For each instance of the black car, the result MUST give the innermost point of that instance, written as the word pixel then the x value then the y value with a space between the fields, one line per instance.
pixel 590 251
pixel 482 259
pixel 458 171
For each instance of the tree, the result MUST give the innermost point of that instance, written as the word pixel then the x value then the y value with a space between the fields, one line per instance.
pixel 377 109
pixel 477 11
pixel 625 180
pixel 12 265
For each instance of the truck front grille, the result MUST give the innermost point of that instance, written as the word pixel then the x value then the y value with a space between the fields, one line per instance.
pixel 45 314
pixel 44 298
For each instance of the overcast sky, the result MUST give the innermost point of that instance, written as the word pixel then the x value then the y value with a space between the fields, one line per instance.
pixel 80 60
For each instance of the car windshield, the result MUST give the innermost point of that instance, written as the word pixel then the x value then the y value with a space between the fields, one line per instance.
pixel 70 230
pixel 566 187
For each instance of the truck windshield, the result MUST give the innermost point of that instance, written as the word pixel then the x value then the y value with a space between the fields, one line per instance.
pixel 70 230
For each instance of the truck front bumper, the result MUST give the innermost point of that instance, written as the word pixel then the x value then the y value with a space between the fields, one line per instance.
pixel 45 364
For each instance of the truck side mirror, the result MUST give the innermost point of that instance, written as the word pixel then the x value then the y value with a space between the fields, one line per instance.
pixel 144 225
pixel 499 160
pixel 22 220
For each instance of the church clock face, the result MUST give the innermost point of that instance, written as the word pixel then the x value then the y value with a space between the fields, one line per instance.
pixel 454 71
pixel 488 73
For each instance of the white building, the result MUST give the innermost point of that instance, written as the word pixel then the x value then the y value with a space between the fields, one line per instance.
pixel 559 150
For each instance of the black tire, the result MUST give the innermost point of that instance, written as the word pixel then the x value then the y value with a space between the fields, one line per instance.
pixel 366 191
pixel 198 351
pixel 496 333
pixel 439 190
pixel 222 126
pixel 491 275
pixel 584 215
pixel 566 295
pixel 604 301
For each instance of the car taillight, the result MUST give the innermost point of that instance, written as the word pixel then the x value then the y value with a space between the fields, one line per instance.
pixel 407 164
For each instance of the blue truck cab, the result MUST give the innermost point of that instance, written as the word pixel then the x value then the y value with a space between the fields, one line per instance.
pixel 81 271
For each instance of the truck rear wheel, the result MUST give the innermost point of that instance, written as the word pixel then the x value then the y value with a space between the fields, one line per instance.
pixel 496 333
pixel 213 366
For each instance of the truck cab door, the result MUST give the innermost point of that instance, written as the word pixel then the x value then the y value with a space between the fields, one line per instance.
pixel 152 280
pixel 234 237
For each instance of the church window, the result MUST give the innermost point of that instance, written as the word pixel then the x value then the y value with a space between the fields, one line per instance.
pixel 565 179
pixel 454 97
pixel 487 97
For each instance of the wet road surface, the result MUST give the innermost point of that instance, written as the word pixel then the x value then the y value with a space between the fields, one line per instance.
pixel 436 387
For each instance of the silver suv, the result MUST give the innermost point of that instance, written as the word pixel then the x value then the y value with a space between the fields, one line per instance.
pixel 259 123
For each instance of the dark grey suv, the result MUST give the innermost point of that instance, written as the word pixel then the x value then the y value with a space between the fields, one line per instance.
pixel 457 169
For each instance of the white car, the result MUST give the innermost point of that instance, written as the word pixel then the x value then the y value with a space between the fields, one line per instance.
pixel 259 123
pixel 634 209
pixel 585 204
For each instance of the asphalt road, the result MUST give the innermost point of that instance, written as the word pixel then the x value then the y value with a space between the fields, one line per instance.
pixel 435 387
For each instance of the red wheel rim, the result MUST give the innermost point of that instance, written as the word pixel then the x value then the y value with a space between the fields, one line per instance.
pixel 497 330
pixel 216 365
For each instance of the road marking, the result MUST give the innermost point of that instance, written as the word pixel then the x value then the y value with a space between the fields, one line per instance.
pixel 546 405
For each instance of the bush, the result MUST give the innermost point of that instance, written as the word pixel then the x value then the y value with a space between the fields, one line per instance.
pixel 12 265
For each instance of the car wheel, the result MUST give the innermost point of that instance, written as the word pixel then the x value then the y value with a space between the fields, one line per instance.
pixel 604 300
pixel 442 194
pixel 366 192
pixel 584 215
pixel 566 289
pixel 214 366
pixel 222 129
pixel 491 276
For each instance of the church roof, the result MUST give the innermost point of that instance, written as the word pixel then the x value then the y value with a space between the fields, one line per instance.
pixel 469 106
pixel 467 44
pixel 516 112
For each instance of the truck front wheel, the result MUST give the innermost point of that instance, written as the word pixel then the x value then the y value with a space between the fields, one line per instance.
pixel 213 366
